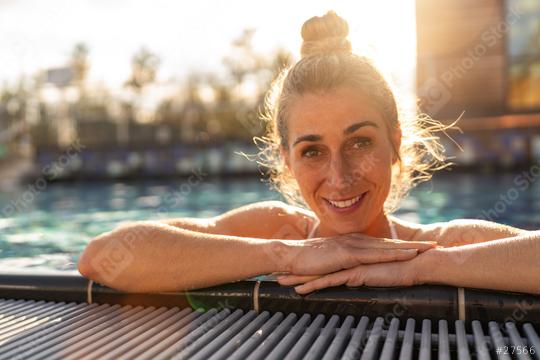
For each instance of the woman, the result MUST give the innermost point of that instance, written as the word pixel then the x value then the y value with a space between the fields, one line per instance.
pixel 339 150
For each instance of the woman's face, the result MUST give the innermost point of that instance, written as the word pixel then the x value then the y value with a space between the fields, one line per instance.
pixel 341 155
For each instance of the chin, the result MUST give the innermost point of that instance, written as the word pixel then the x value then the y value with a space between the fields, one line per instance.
pixel 349 227
pixel 344 226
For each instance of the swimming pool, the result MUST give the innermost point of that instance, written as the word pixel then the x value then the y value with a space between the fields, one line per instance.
pixel 46 229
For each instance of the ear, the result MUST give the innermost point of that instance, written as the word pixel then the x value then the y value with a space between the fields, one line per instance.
pixel 396 138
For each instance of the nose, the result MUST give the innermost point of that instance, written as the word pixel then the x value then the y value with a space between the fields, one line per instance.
pixel 340 175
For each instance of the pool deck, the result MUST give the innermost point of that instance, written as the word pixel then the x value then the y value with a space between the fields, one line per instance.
pixel 69 317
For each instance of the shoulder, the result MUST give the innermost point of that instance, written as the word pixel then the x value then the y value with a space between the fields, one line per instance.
pixel 265 219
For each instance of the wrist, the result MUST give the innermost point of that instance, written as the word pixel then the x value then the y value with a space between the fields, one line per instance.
pixel 430 265
pixel 280 254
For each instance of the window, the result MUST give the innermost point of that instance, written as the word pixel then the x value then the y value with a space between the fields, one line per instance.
pixel 523 48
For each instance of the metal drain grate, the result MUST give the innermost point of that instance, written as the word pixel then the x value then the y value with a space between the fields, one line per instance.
pixel 32 329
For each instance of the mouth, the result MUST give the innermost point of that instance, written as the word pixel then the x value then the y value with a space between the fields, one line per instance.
pixel 345 205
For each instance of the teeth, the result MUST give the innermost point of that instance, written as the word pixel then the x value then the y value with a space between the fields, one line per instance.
pixel 346 203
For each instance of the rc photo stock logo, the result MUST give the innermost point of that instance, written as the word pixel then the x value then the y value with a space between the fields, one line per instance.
pixel 113 259
pixel 461 254
pixel 433 95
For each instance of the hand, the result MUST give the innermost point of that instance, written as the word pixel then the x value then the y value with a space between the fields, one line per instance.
pixel 399 273
pixel 326 255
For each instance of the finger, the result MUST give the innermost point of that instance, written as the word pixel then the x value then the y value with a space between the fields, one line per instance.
pixel 373 256
pixel 334 279
pixel 419 245
pixel 296 279
pixel 397 244
pixel 394 274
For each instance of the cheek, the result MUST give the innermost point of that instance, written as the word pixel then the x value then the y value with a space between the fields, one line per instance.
pixel 375 166
pixel 381 174
pixel 306 176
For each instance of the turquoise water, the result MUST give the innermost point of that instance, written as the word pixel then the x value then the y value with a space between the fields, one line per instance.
pixel 47 229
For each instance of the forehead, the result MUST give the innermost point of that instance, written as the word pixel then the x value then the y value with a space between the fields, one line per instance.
pixel 319 113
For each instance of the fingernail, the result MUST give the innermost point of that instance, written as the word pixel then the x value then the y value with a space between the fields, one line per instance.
pixel 410 251
pixel 298 288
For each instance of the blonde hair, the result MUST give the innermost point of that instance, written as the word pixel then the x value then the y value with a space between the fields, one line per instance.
pixel 328 63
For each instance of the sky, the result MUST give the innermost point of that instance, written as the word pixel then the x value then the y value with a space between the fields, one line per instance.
pixel 189 35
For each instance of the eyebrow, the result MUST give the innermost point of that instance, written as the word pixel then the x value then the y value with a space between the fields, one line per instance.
pixel 349 130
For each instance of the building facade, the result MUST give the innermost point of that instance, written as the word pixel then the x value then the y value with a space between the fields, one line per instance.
pixel 481 59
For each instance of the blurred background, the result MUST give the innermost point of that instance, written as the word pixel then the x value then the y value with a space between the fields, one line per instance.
pixel 119 110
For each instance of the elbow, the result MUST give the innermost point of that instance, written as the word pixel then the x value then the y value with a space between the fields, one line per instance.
pixel 109 260
pixel 85 265
pixel 100 266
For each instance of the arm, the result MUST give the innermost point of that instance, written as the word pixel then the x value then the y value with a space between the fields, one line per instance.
pixel 189 252
pixel 466 231
pixel 147 257
pixel 510 264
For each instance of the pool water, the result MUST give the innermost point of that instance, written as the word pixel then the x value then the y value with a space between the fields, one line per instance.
pixel 46 230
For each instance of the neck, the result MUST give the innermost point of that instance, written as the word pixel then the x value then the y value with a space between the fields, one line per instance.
pixel 380 228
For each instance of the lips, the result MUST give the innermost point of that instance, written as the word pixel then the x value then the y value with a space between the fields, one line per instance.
pixel 346 204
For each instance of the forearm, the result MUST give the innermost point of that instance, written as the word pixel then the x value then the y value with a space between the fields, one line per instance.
pixel 148 257
pixel 511 264
pixel 472 231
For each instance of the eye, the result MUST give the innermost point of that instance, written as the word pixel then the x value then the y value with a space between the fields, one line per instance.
pixel 359 143
pixel 310 153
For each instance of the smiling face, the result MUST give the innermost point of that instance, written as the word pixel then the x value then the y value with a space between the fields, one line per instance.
pixel 340 152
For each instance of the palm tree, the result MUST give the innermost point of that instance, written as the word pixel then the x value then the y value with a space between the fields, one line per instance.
pixel 144 67
pixel 80 65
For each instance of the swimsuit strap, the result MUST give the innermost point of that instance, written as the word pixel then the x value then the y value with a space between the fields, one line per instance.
pixel 393 230
pixel 314 228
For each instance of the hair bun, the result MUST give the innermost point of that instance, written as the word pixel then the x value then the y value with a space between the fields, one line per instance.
pixel 325 34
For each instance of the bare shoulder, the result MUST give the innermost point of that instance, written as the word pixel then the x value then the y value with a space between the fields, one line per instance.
pixel 265 219
pixel 465 231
